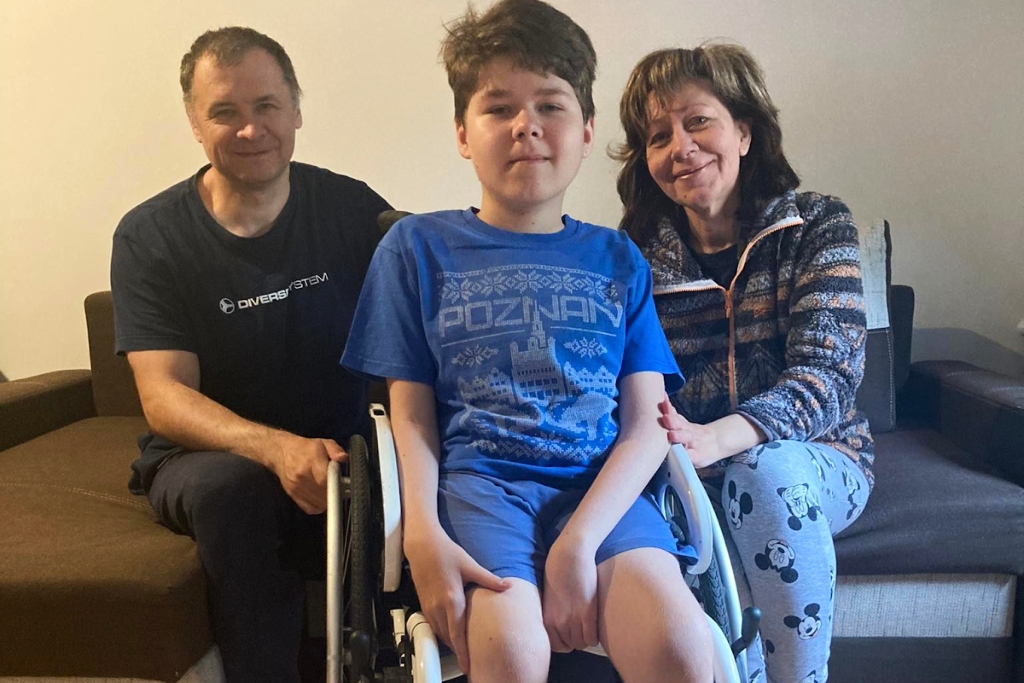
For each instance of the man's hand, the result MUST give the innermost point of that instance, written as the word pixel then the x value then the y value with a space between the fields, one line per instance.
pixel 570 596
pixel 168 383
pixel 440 570
pixel 301 465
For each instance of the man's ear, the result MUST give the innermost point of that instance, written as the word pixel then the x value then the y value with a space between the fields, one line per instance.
pixel 298 118
pixel 588 137
pixel 461 140
pixel 192 124
pixel 744 126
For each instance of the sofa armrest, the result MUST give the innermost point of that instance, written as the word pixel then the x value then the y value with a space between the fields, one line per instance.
pixel 36 405
pixel 979 410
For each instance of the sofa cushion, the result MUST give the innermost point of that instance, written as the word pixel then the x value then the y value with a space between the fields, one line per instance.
pixel 931 513
pixel 90 583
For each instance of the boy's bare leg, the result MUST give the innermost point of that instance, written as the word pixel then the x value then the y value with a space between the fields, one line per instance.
pixel 649 622
pixel 507 640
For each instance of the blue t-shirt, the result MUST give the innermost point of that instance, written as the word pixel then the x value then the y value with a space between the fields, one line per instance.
pixel 523 338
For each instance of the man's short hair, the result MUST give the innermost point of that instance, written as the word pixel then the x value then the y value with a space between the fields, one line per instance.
pixel 533 35
pixel 228 46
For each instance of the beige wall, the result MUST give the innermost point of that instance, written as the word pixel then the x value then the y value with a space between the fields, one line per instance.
pixel 910 111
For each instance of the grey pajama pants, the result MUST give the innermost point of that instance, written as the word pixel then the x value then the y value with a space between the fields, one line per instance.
pixel 783 502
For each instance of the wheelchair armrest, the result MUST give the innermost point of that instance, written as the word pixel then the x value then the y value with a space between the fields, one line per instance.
pixel 677 473
pixel 391 498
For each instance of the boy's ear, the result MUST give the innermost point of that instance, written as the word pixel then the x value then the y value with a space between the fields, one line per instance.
pixel 460 139
pixel 588 137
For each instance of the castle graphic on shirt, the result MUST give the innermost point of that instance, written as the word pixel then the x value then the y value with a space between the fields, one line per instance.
pixel 529 350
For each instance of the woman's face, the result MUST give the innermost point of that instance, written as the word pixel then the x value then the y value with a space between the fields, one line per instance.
pixel 693 151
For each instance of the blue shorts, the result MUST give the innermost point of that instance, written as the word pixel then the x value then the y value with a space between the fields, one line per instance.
pixel 508 527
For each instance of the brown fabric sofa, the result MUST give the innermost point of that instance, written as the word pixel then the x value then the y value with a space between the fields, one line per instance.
pixel 91 585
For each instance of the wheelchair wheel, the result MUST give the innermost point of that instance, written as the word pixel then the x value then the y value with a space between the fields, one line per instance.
pixel 713 596
pixel 362 576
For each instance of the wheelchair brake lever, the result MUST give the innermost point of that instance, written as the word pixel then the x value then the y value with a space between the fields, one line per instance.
pixel 749 625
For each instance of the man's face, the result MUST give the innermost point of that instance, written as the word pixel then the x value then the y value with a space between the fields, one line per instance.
pixel 245 119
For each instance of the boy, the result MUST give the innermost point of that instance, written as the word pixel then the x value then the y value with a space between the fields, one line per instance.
pixel 524 361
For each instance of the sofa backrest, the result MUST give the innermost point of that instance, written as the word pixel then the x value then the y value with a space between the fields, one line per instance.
pixel 113 387
pixel 890 311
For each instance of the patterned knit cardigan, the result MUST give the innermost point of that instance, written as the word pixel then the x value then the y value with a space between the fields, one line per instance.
pixel 784 345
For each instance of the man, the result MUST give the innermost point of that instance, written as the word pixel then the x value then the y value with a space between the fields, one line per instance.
pixel 233 293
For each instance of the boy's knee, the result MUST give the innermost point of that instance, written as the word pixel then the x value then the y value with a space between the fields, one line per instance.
pixel 511 656
pixel 507 640
pixel 672 656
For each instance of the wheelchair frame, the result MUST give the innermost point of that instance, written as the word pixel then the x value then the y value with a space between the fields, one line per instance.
pixel 678 492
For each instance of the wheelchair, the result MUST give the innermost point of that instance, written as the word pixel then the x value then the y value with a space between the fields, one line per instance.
pixel 375 633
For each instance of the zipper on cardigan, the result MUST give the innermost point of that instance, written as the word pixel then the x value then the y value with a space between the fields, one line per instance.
pixel 733 392
pixel 733 401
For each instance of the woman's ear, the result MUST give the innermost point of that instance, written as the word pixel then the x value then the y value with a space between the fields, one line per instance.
pixel 744 127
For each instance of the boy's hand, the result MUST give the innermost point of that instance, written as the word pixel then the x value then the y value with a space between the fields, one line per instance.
pixel 570 596
pixel 440 570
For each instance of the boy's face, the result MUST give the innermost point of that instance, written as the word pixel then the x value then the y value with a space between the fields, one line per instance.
pixel 526 137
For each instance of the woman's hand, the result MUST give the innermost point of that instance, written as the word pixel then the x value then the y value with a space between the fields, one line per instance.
pixel 570 596
pixel 440 570
pixel 707 444
pixel 700 441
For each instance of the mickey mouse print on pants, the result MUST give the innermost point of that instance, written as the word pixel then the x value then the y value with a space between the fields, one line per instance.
pixel 802 502
pixel 738 506
pixel 852 486
pixel 751 456
pixel 808 626
pixel 778 555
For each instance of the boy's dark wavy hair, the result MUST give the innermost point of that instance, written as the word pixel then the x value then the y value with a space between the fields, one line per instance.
pixel 533 35
pixel 732 74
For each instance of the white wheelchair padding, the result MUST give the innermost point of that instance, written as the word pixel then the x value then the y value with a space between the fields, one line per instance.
pixel 677 473
pixel 723 672
pixel 387 460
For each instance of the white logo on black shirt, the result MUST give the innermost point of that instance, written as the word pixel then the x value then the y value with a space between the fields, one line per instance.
pixel 228 306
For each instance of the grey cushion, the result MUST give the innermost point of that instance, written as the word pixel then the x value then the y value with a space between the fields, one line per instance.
pixel 930 514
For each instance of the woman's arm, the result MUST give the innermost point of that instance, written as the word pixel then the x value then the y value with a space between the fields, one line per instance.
pixel 825 342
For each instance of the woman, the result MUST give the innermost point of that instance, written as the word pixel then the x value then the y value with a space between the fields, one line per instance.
pixel 758 290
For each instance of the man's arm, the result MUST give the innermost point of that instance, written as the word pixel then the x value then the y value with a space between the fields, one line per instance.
pixel 168 383
pixel 570 603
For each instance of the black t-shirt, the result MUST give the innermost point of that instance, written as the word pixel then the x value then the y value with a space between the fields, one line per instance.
pixel 267 316
pixel 720 266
